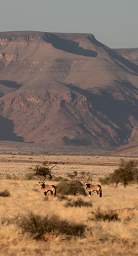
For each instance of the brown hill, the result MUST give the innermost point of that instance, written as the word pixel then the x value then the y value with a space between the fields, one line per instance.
pixel 66 92
pixel 130 54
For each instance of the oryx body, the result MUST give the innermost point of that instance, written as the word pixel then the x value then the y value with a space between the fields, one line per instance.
pixel 91 188
pixel 48 189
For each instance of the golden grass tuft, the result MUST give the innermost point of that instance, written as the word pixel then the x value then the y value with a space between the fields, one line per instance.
pixel 107 215
pixel 37 226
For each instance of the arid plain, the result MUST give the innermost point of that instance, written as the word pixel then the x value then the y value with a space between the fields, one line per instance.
pixel 101 237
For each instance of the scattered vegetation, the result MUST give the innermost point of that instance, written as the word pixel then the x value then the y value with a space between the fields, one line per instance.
pixel 43 170
pixel 126 173
pixel 78 203
pixel 62 197
pixel 5 193
pixel 72 175
pixel 106 215
pixel 29 176
pixel 59 178
pixel 11 177
pixel 70 188
pixel 105 180
pixel 12 220
pixel 106 231
pixel 37 226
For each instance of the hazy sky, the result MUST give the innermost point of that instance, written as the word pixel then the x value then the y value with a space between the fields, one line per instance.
pixel 114 22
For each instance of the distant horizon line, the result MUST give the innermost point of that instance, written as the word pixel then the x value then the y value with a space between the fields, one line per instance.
pixel 55 32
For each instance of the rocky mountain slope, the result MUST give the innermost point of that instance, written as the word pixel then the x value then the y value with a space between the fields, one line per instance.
pixel 67 91
pixel 130 54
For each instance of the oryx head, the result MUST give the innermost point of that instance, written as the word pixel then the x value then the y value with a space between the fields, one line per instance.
pixel 42 183
pixel 86 180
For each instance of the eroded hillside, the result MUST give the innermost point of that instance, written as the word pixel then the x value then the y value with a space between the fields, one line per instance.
pixel 65 91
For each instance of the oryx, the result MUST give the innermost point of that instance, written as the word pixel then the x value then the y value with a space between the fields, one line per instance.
pixel 46 188
pixel 91 188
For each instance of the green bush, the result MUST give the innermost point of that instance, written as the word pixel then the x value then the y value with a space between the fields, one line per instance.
pixel 37 226
pixel 70 188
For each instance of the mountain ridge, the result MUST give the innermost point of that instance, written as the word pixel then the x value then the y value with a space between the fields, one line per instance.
pixel 68 91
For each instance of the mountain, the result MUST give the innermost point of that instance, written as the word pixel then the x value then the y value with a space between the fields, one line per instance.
pixel 130 54
pixel 67 92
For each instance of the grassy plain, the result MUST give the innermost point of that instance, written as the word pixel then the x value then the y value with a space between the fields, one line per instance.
pixel 101 238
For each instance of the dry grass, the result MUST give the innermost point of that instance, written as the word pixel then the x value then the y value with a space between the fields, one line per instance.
pixel 102 238
pixel 78 202
pixel 37 226
pixel 108 215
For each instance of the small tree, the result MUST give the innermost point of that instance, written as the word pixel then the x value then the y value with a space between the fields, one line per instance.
pixel 126 173
pixel 44 170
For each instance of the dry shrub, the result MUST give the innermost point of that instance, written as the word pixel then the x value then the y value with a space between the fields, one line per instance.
pixel 59 179
pixel 5 193
pixel 62 197
pixel 8 220
pixel 72 175
pixel 78 203
pixel 12 177
pixel 126 173
pixel 37 226
pixel 70 188
pixel 29 176
pixel 43 170
pixel 105 180
pixel 107 215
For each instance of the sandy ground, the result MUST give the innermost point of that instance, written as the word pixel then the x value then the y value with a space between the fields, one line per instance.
pixel 19 165
pixel 101 237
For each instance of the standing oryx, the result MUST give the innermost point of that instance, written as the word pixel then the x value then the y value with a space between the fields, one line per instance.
pixel 45 171
pixel 91 188
pixel 47 188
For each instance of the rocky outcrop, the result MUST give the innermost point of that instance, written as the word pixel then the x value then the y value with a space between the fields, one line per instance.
pixel 66 91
